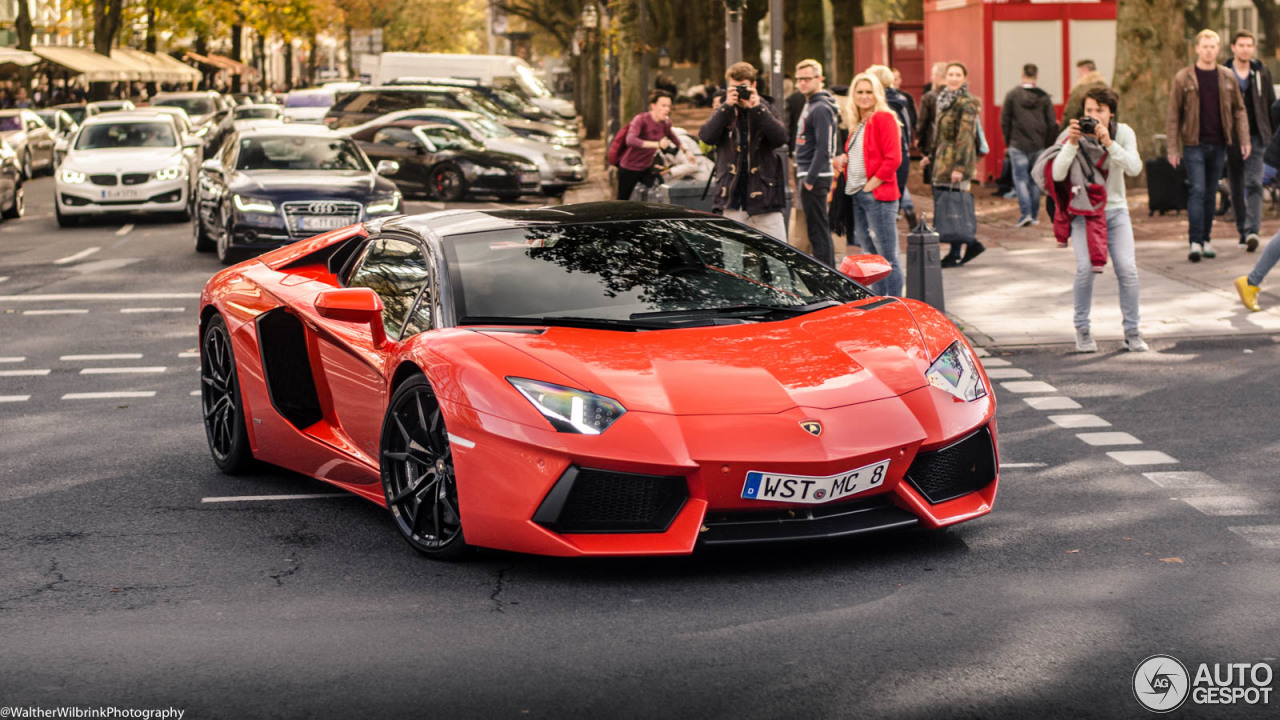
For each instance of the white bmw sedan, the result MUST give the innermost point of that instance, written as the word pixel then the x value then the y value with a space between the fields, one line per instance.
pixel 125 163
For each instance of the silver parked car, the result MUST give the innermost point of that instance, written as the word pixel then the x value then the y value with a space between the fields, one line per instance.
pixel 30 138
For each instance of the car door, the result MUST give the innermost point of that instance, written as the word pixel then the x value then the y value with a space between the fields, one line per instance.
pixel 39 139
pixel 398 269
pixel 401 145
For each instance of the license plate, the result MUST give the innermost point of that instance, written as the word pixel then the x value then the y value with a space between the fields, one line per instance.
pixel 121 194
pixel 323 222
pixel 774 487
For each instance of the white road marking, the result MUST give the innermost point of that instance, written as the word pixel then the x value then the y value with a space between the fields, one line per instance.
pixel 124 230
pixel 1226 506
pixel 194 393
pixel 1078 421
pixel 12 359
pixel 3 278
pixel 78 256
pixel 995 362
pixel 116 356
pixel 261 498
pixel 1182 480
pixel 1263 536
pixel 461 441
pixel 97 297
pixel 153 310
pixel 110 395
pixel 1109 438
pixel 1142 457
pixel 23 373
pixel 55 312
pixel 188 354
pixel 14 398
pixel 1026 387
pixel 1052 403
pixel 981 352
pixel 121 370
pixel 1021 465
pixel 1007 373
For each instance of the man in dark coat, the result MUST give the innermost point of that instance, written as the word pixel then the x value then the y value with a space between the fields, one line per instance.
pixel 1245 175
pixel 1029 126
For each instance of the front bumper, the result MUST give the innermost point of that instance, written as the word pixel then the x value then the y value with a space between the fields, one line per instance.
pixel 267 231
pixel 151 196
pixel 704 461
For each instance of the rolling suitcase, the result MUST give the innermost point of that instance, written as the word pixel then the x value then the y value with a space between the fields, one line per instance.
pixel 1166 185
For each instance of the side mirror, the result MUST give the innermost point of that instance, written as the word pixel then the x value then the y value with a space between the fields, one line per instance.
pixel 354 305
pixel 388 167
pixel 865 269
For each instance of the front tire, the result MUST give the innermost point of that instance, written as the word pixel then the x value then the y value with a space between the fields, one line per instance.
pixel 448 183
pixel 66 221
pixel 417 472
pixel 224 424
pixel 228 255
pixel 19 206
pixel 27 171
pixel 204 243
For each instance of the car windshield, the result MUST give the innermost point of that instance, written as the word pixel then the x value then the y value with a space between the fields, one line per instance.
pixel 127 135
pixel 480 104
pixel 193 105
pixel 50 117
pixel 9 123
pixel 255 112
pixel 514 102
pixel 300 153
pixel 76 113
pixel 449 139
pixel 485 127
pixel 530 83
pixel 311 99
pixel 624 272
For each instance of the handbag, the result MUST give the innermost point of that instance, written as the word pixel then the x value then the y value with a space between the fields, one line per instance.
pixel 953 215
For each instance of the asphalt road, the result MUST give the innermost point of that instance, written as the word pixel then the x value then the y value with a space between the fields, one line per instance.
pixel 121 587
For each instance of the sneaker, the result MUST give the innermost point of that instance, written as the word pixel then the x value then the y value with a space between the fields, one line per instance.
pixel 1062 243
pixel 910 215
pixel 1207 251
pixel 1133 342
pixel 1248 293
pixel 974 249
pixel 1025 221
pixel 1251 242
pixel 1194 255
pixel 950 261
pixel 1085 342
pixel 1035 221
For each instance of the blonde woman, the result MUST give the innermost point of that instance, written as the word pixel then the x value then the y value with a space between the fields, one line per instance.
pixel 870 166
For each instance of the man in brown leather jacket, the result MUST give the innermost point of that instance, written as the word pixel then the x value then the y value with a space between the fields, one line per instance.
pixel 1206 114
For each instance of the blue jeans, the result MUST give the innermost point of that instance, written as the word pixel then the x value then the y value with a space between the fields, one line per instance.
pixel 1028 192
pixel 1120 249
pixel 881 219
pixel 1204 170
pixel 1270 254
pixel 1245 177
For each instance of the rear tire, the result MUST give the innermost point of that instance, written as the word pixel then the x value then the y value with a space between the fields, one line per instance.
pixel 448 183
pixel 220 401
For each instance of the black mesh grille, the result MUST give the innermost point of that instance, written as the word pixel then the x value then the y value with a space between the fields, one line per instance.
pixel 955 470
pixel 604 501
pixel 103 179
pixel 134 178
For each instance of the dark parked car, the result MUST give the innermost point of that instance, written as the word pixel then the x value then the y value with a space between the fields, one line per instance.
pixel 369 103
pixel 443 162
pixel 510 99
pixel 271 186
pixel 202 107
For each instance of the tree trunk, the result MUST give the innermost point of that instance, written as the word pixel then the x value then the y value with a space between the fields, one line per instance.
pixel 1150 47
pixel 106 22
pixel 237 53
pixel 632 95
pixel 1269 21
pixel 313 59
pixel 848 15
pixel 150 43
pixel 288 65
pixel 23 25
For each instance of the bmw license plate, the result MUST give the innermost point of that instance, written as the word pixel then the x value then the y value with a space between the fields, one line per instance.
pixel 807 489
pixel 121 194
pixel 323 222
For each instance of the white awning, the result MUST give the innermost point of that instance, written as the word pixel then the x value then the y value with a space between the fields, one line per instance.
pixel 86 62
pixel 24 58
pixel 153 68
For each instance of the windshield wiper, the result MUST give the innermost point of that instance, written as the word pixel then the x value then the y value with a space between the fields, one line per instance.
pixel 561 321
pixel 738 311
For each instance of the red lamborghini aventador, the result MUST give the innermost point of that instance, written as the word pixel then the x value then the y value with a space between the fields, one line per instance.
pixel 601 379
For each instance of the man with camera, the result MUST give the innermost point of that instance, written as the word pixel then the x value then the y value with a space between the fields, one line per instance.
pixel 750 184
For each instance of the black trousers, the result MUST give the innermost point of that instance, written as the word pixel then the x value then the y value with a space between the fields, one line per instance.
pixel 818 219
pixel 627 181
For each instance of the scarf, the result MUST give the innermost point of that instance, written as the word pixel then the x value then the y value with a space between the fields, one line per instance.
pixel 947 96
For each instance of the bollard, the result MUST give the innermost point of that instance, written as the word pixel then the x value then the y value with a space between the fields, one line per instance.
pixel 924 265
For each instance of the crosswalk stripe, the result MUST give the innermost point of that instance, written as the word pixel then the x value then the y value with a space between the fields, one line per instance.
pixel 109 395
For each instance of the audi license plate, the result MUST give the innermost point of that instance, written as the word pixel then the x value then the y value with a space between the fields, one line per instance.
pixel 806 489
pixel 324 222
pixel 122 194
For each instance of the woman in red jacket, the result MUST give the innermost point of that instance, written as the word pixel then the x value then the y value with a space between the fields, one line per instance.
pixel 870 164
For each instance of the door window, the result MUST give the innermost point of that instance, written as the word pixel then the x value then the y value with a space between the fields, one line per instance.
pixel 396 137
pixel 397 271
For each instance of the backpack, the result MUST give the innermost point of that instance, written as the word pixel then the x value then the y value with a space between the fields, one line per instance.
pixel 617 145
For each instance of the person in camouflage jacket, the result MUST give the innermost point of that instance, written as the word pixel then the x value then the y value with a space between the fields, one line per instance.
pixel 955 153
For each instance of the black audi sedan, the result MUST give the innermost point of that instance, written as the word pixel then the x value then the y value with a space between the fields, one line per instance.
pixel 442 162
pixel 271 186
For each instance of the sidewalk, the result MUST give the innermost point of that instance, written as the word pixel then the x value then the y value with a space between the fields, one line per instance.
pixel 1020 292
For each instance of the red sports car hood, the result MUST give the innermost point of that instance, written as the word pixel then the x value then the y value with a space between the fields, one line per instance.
pixel 830 358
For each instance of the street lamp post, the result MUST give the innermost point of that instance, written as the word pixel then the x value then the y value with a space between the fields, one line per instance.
pixel 733 31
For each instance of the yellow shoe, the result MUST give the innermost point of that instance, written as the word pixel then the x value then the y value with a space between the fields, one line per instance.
pixel 1248 293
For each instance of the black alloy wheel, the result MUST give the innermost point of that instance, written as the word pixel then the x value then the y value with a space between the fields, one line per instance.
pixel 19 206
pixel 204 243
pixel 417 472
pixel 224 424
pixel 27 171
pixel 227 255
pixel 448 183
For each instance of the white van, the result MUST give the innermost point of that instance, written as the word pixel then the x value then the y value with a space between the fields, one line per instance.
pixel 493 70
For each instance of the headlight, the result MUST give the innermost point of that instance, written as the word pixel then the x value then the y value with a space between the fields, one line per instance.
pixel 73 177
pixel 387 205
pixel 956 372
pixel 569 410
pixel 564 140
pixel 572 160
pixel 169 173
pixel 253 205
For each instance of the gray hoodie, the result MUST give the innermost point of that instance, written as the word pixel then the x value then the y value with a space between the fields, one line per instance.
pixel 816 137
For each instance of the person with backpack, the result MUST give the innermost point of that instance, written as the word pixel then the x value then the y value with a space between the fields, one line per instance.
pixel 641 139
pixel 1029 125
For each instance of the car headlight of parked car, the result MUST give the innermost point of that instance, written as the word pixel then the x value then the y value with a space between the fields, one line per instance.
pixel 169 173
pixel 564 140
pixel 72 177
pixel 956 373
pixel 570 410
pixel 384 205
pixel 253 205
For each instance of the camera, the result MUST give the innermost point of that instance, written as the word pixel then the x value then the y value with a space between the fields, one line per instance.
pixel 744 92
pixel 1088 125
